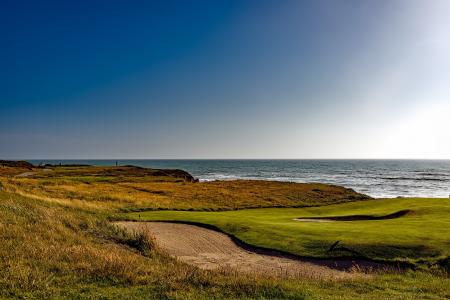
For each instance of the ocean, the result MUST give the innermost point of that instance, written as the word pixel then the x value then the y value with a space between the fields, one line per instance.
pixel 376 178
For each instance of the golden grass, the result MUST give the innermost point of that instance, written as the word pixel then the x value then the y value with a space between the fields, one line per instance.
pixel 111 188
pixel 12 171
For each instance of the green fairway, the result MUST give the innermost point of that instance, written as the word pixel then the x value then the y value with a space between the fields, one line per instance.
pixel 422 235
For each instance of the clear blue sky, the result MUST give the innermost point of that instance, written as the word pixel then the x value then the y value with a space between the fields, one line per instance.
pixel 225 79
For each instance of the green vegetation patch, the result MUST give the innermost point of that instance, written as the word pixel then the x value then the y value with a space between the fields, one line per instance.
pixel 422 235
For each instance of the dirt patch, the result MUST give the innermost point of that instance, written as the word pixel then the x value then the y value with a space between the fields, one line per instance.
pixel 31 173
pixel 26 174
pixel 394 215
pixel 209 249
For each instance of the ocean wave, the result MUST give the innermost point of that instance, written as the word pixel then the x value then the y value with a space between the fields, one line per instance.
pixel 415 178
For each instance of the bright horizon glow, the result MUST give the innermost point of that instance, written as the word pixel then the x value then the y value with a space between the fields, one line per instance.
pixel 226 80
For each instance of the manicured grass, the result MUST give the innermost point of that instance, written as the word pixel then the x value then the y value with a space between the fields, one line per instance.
pixel 423 235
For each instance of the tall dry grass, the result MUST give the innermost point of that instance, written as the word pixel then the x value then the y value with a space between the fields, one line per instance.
pixel 123 189
pixel 48 250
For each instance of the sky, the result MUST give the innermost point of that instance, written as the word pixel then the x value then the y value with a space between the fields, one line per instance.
pixel 225 79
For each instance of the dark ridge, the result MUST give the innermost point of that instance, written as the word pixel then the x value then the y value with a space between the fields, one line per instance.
pixel 445 264
pixel 16 164
pixel 67 165
pixel 136 167
pixel 394 215
pixel 139 171
pixel 177 173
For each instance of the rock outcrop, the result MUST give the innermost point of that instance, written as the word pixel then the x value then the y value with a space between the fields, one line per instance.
pixel 16 164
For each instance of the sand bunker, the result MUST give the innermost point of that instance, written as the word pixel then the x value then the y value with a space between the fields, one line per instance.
pixel 394 215
pixel 209 249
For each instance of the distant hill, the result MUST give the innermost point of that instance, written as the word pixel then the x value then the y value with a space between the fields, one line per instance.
pixel 16 164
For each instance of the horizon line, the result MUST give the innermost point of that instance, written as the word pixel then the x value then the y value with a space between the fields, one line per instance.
pixel 106 159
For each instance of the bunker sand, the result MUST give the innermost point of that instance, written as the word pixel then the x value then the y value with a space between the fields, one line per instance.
pixel 212 250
